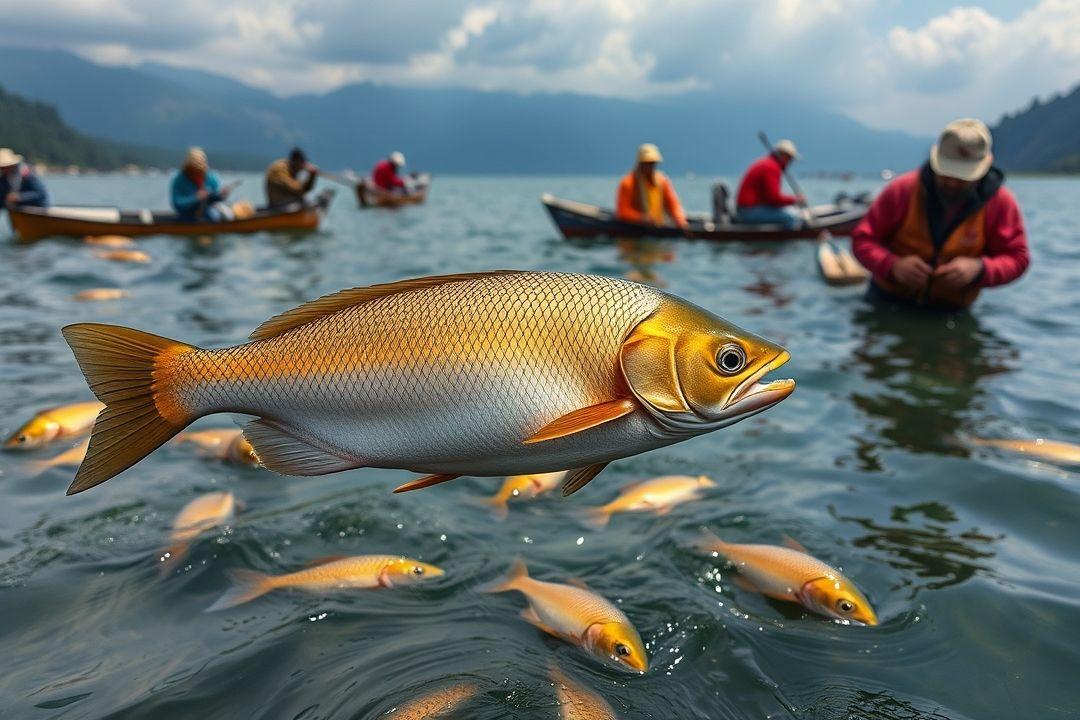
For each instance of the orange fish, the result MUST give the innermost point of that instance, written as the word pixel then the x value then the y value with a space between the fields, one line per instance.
pixel 522 486
pixel 201 514
pixel 71 457
pixel 484 374
pixel 436 703
pixel 576 615
pixel 577 702
pixel 112 241
pixel 1049 450
pixel 658 495
pixel 360 571
pixel 227 444
pixel 132 256
pixel 56 423
pixel 791 574
pixel 100 294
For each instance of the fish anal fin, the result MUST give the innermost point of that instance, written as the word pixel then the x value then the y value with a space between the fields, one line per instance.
pixel 793 544
pixel 577 479
pixel 529 615
pixel 336 302
pixel 426 481
pixel 583 419
pixel 743 582
pixel 284 453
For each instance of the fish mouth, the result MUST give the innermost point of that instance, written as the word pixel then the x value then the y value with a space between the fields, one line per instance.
pixel 753 396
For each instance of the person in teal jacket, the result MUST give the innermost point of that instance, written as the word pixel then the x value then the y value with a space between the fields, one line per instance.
pixel 197 193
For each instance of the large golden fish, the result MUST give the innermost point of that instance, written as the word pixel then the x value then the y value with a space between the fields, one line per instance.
pixel 486 374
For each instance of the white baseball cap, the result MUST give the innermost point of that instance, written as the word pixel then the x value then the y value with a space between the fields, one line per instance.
pixel 963 151
pixel 397 159
pixel 787 147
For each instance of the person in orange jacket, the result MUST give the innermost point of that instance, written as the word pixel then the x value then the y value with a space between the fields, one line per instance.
pixel 646 195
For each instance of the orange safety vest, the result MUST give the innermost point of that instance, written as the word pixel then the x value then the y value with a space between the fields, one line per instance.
pixel 913 237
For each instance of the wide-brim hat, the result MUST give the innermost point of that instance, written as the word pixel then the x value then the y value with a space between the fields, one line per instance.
pixel 963 151
pixel 397 159
pixel 647 152
pixel 9 158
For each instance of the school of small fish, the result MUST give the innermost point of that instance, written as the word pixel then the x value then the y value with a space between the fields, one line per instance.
pixel 335 383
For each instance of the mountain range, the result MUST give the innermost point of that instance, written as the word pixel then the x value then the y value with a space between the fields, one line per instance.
pixel 1043 137
pixel 443 130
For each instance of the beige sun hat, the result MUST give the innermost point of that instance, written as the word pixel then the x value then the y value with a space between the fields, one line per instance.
pixel 397 159
pixel 788 148
pixel 647 152
pixel 963 150
pixel 9 158
pixel 196 159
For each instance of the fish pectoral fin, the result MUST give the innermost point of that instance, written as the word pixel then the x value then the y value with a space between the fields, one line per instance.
pixel 426 481
pixel 284 453
pixel 583 419
pixel 577 479
pixel 793 544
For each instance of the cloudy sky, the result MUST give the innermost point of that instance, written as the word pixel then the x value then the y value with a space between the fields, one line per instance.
pixel 890 63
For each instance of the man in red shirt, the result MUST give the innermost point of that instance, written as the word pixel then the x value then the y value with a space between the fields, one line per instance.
pixel 385 173
pixel 936 236
pixel 760 200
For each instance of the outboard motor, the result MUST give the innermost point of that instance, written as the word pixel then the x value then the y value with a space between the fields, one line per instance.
pixel 721 210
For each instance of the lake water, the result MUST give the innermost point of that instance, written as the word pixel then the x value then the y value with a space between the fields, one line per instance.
pixel 969 556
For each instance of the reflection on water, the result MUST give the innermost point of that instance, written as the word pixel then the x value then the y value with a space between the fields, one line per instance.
pixel 841 701
pixel 928 370
pixel 929 554
pixel 643 256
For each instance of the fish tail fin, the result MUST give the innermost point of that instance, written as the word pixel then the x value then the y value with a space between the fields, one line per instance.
pixel 598 518
pixel 246 586
pixel 122 367
pixel 518 571
pixel 709 542
pixel 499 508
pixel 171 557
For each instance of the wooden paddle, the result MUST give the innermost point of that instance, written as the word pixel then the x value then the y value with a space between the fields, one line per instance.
pixel 339 179
pixel 837 265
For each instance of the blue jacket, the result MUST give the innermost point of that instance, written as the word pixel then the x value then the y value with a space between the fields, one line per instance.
pixel 184 199
pixel 31 190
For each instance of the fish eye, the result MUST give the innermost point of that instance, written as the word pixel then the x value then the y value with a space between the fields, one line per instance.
pixel 731 359
pixel 844 605
pixel 417 570
pixel 21 439
pixel 621 650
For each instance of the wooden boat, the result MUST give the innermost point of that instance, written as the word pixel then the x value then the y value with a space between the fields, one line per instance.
pixel 580 220
pixel 32 223
pixel 371 196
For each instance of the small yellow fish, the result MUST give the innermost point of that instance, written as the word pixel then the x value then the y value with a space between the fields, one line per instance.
pixel 201 514
pixel 359 571
pixel 1048 450
pixel 100 294
pixel 658 495
pixel 790 573
pixel 577 615
pixel 523 486
pixel 434 704
pixel 71 457
pixel 133 256
pixel 576 702
pixel 55 424
pixel 484 374
pixel 113 241
pixel 227 444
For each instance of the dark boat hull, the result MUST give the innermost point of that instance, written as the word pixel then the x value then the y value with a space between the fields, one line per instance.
pixel 580 220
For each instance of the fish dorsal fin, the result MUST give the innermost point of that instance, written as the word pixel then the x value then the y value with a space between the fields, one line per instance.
pixel 793 544
pixel 330 304
pixel 325 560
pixel 578 583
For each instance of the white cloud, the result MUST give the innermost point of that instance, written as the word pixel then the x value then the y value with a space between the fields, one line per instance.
pixel 965 61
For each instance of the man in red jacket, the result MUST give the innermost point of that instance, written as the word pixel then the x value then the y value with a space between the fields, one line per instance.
pixel 760 200
pixel 936 236
pixel 385 173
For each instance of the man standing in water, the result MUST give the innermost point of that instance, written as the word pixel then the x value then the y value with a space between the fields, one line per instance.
pixel 936 236
pixel 646 195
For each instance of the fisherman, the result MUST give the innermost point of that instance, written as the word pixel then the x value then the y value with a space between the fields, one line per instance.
pixel 283 184
pixel 385 173
pixel 760 200
pixel 19 186
pixel 937 235
pixel 646 195
pixel 197 193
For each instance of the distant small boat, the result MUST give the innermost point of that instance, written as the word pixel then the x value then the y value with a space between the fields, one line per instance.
pixel 371 196
pixel 579 220
pixel 31 223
